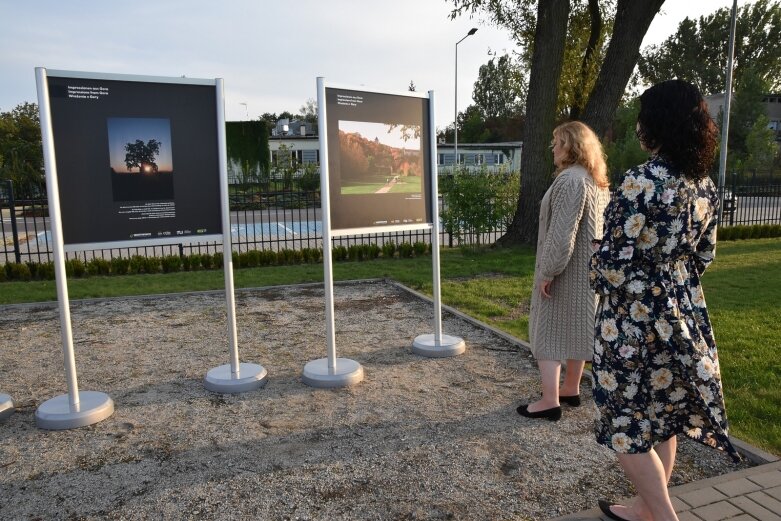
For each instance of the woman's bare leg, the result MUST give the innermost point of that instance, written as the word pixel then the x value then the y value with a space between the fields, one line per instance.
pixel 572 376
pixel 666 452
pixel 649 476
pixel 550 371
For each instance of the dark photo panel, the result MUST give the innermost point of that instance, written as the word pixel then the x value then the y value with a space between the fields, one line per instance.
pixel 379 155
pixel 136 160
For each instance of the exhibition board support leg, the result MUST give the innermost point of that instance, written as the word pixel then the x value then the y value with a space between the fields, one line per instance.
pixel 6 406
pixel 76 409
pixel 330 371
pixel 436 345
pixel 234 377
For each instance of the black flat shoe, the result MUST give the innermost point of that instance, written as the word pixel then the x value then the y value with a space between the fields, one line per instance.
pixel 553 414
pixel 572 401
pixel 604 506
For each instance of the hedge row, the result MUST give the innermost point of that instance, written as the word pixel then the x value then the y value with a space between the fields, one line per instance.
pixel 138 264
pixel 749 231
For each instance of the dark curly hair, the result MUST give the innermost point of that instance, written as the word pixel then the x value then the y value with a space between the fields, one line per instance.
pixel 674 118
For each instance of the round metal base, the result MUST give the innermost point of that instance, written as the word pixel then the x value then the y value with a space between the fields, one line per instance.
pixel 56 414
pixel 425 345
pixel 221 380
pixel 347 372
pixel 6 406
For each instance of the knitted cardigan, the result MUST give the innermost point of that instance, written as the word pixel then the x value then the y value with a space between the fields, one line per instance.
pixel 571 215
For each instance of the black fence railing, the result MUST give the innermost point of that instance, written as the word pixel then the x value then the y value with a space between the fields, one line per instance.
pixel 291 220
pixel 259 221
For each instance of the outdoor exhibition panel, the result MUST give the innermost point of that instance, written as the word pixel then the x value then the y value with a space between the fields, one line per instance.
pixel 137 159
pixel 133 161
pixel 378 174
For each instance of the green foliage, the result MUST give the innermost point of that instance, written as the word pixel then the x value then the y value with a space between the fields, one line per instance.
pixel 477 202
pixel 389 250
pixel 623 151
pixel 312 255
pixel 420 248
pixel 217 260
pixel 120 266
pixel 152 265
pixel 406 250
pixel 98 266
pixel 339 253
pixel 171 263
pixel 21 151
pixel 500 89
pixel 18 272
pixel 310 178
pixel 194 261
pixel 697 50
pixel 137 263
pixel 75 268
pixel 247 144
pixel 749 231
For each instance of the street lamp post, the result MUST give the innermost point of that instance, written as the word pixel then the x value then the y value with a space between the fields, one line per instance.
pixel 472 31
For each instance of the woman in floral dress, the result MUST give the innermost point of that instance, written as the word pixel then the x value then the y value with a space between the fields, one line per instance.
pixel 655 362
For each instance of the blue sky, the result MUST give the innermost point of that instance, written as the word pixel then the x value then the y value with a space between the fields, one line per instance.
pixel 269 53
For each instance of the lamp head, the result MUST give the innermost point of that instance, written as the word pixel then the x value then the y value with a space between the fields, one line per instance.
pixel 472 31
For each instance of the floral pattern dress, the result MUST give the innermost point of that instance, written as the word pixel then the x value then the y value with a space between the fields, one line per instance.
pixel 656 368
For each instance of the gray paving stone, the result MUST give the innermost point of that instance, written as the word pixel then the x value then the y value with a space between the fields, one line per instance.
pixel 749 506
pixel 717 511
pixel 679 505
pixel 702 497
pixel 768 479
pixel 688 516
pixel 737 487
pixel 766 501
pixel 775 492
pixel 744 517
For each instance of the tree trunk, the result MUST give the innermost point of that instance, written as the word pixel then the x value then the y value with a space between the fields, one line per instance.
pixel 593 39
pixel 632 21
pixel 547 58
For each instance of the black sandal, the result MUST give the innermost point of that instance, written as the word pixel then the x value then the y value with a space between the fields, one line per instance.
pixel 604 506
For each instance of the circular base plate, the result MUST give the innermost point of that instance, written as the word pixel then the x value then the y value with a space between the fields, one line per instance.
pixel 425 345
pixel 56 414
pixel 347 372
pixel 6 406
pixel 250 377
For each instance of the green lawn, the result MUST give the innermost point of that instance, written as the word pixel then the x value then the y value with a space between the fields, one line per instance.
pixel 742 287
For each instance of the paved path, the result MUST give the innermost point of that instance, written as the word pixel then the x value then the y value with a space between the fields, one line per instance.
pixel 747 495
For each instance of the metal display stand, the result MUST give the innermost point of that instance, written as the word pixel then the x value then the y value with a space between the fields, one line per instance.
pixel 436 345
pixel 330 371
pixel 76 409
pixel 6 406
pixel 234 377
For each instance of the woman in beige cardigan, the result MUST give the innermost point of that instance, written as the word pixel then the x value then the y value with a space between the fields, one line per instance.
pixel 561 319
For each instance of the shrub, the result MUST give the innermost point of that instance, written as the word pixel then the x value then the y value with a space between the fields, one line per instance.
pixel 253 258
pixel 195 261
pixel 152 265
pixel 420 248
pixel 171 263
pixel 120 266
pixel 206 261
pixel 312 255
pixel 339 253
pixel 75 268
pixel 137 263
pixel 98 266
pixel 18 272
pixel 374 251
pixel 389 250
pixel 355 252
pixel 3 275
pixel 405 250
pixel 268 258
pixel 217 260
pixel 46 271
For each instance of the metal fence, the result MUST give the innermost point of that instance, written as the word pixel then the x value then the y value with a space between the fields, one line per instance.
pixel 260 220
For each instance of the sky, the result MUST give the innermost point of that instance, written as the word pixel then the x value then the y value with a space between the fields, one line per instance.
pixel 268 53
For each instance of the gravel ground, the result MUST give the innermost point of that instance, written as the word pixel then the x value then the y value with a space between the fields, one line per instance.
pixel 419 438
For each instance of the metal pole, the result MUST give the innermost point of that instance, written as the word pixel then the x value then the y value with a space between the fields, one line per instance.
pixel 727 102
pixel 227 249
pixel 325 217
pixel 472 31
pixel 53 193
pixel 435 227
pixel 14 228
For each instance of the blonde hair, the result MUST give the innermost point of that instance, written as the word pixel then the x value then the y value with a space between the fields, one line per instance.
pixel 583 148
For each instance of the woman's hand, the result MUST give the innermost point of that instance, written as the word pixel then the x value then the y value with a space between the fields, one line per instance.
pixel 545 288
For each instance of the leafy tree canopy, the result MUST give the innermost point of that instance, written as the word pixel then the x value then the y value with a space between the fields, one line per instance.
pixel 697 52
pixel 21 151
